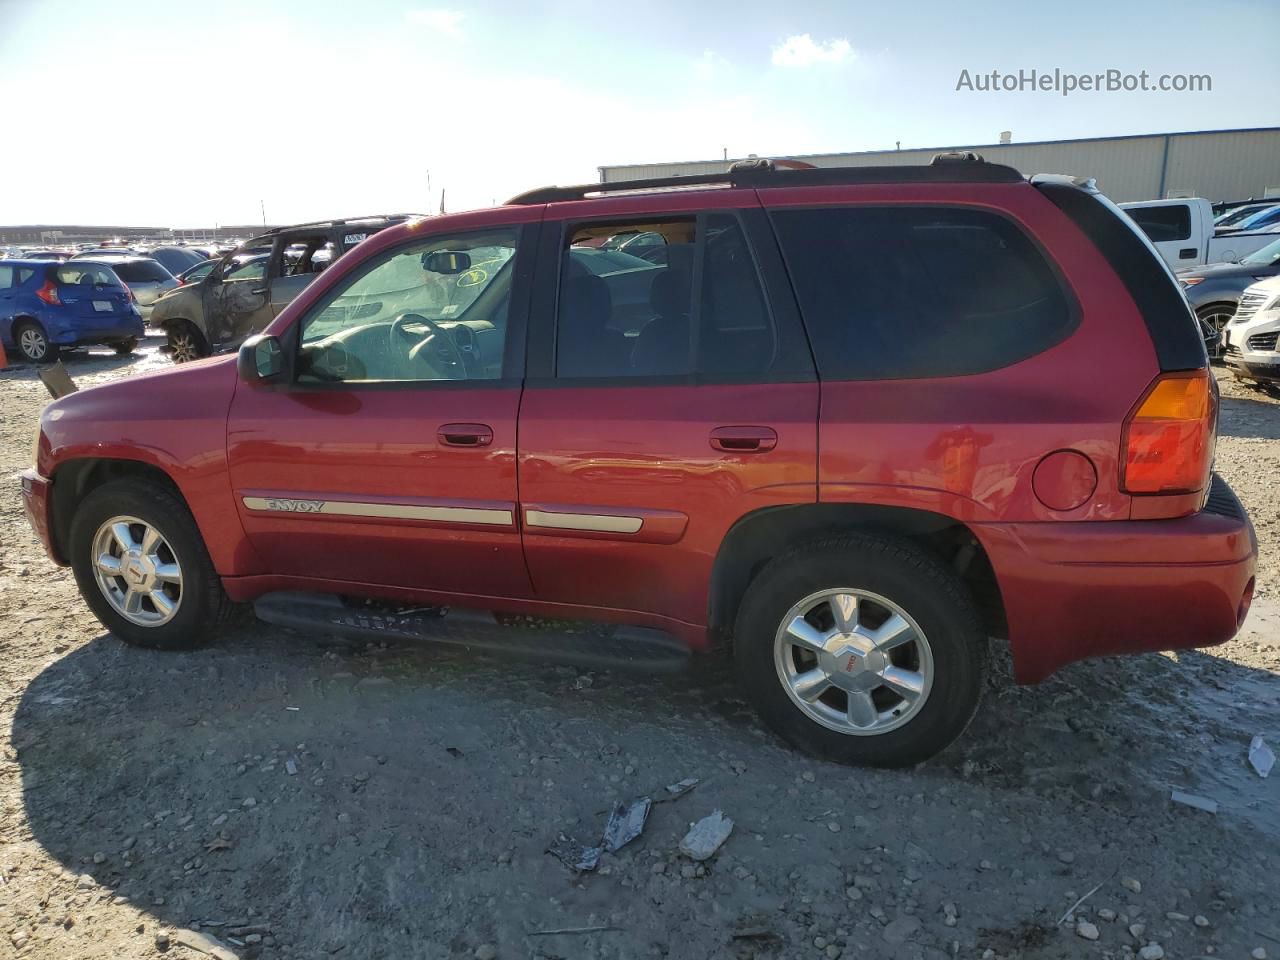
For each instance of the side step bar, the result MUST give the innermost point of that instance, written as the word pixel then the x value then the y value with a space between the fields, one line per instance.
pixel 597 646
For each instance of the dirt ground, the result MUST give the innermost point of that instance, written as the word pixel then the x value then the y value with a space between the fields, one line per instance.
pixel 293 796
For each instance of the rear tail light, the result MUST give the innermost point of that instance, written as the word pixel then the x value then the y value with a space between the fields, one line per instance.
pixel 49 293
pixel 1169 438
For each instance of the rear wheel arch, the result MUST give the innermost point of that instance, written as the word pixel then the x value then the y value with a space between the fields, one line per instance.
pixel 759 537
pixel 75 479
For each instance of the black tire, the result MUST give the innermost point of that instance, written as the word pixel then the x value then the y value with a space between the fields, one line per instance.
pixel 32 342
pixel 186 342
pixel 125 347
pixel 924 588
pixel 203 607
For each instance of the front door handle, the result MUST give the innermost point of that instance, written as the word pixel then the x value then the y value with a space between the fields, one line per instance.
pixel 465 435
pixel 744 439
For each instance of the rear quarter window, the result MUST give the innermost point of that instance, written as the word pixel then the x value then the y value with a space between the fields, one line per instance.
pixel 87 274
pixel 141 271
pixel 1163 224
pixel 912 292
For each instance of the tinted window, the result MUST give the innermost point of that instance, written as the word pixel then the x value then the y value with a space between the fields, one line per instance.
pixel 629 307
pixel 6 277
pixel 24 274
pixel 433 310
pixel 1163 223
pixel 909 292
pixel 141 271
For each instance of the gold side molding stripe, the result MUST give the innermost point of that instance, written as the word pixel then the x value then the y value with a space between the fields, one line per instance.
pixel 390 511
pixel 582 521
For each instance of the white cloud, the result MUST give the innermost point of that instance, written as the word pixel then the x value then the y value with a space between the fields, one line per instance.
pixel 801 51
pixel 446 21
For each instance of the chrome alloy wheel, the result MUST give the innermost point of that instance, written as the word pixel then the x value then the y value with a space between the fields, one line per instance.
pixel 32 342
pixel 853 661
pixel 137 571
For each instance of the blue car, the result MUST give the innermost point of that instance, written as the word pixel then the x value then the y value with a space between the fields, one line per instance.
pixel 46 305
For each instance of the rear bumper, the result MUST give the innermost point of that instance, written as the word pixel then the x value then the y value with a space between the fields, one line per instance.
pixel 1076 590
pixel 38 504
pixel 106 331
pixel 1253 366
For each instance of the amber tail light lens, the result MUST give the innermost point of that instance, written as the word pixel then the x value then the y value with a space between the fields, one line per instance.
pixel 1169 438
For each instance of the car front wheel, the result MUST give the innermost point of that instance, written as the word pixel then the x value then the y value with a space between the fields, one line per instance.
pixel 186 343
pixel 143 569
pixel 861 649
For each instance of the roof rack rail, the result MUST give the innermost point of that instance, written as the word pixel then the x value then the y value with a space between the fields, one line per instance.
pixel 762 172
pixel 341 220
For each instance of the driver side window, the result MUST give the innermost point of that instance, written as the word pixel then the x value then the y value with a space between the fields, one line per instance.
pixel 431 310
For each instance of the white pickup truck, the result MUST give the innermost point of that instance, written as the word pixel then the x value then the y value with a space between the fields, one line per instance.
pixel 1182 230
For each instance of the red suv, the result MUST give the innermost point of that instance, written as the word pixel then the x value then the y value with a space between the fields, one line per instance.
pixel 847 423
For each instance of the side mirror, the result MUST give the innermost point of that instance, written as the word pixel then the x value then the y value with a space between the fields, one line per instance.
pixel 261 360
pixel 446 262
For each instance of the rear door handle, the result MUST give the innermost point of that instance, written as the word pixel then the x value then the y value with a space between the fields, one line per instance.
pixel 744 439
pixel 465 435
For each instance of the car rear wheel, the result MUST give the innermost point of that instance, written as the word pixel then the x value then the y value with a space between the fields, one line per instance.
pixel 1217 316
pixel 33 343
pixel 861 649
pixel 126 347
pixel 143 569
pixel 186 343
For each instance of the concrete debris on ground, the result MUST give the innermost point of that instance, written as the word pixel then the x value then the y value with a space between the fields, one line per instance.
pixel 1261 757
pixel 1194 800
pixel 706 836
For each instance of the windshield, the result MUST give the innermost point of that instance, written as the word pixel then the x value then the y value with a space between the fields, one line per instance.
pixel 1259 219
pixel 1264 257
pixel 141 271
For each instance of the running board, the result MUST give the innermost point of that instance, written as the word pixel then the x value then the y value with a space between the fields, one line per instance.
pixel 599 646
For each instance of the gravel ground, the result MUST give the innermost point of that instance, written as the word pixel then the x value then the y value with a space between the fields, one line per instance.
pixel 283 795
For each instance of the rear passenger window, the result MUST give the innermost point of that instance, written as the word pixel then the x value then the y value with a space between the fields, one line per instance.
pixel 1163 223
pixel 909 292
pixel 679 297
pixel 6 278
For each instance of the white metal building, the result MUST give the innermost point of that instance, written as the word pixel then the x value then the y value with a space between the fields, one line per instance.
pixel 1217 164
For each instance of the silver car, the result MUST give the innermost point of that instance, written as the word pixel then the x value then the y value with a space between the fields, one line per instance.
pixel 145 277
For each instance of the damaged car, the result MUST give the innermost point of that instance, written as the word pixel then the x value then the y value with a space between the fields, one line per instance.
pixel 243 293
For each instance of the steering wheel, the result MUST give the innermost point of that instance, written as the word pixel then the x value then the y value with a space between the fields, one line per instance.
pixel 437 341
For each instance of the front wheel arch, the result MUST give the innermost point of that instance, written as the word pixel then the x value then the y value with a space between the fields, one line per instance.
pixel 74 480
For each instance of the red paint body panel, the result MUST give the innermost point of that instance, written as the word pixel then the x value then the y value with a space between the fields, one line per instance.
pixel 379 446
pixel 1075 590
pixel 38 508
pixel 649 447
pixel 174 419
pixel 967 446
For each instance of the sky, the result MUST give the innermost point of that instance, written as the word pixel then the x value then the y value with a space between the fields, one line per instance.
pixel 180 113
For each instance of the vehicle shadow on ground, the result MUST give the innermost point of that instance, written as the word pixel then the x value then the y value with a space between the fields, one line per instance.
pixel 381 798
